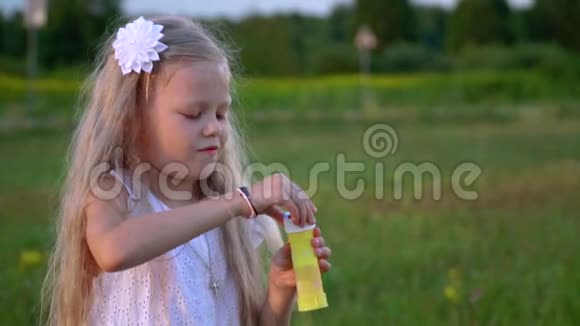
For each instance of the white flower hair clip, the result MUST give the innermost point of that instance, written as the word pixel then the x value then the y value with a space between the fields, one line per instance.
pixel 137 46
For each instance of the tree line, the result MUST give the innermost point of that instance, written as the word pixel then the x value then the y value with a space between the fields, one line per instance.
pixel 410 37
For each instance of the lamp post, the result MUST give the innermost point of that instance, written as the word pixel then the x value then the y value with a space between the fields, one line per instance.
pixel 365 40
pixel 34 18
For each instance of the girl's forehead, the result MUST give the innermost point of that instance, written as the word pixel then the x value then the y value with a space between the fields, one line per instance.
pixel 202 81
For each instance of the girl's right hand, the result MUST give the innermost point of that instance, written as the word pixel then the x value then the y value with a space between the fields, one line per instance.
pixel 278 190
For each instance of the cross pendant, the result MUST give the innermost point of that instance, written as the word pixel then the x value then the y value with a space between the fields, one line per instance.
pixel 215 287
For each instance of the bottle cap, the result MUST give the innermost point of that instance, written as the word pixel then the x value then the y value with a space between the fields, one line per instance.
pixel 290 227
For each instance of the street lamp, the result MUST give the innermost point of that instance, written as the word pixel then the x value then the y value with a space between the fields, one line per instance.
pixel 34 18
pixel 365 40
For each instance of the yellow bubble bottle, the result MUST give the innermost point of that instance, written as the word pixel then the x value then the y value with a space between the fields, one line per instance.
pixel 310 292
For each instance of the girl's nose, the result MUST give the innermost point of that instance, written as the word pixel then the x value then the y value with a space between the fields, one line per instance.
pixel 212 127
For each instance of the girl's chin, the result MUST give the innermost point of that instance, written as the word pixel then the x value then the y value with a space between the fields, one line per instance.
pixel 202 168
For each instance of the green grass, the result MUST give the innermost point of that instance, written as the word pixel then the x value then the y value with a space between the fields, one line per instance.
pixel 509 258
pixel 462 95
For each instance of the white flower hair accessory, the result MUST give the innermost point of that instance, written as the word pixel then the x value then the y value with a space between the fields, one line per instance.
pixel 137 45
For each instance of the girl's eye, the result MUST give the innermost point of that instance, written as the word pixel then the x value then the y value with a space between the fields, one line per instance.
pixel 221 116
pixel 191 116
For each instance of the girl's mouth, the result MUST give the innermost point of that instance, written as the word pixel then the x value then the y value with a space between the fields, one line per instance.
pixel 210 149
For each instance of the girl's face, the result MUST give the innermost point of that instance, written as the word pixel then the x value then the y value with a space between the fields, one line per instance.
pixel 185 114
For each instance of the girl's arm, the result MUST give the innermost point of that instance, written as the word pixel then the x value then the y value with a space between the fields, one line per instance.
pixel 277 309
pixel 117 243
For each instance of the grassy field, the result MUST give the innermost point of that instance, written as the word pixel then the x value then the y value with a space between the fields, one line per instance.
pixel 464 95
pixel 508 258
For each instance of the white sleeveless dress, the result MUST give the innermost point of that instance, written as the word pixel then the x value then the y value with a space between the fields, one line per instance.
pixel 172 289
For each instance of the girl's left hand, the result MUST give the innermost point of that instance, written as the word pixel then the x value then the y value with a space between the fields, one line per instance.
pixel 281 271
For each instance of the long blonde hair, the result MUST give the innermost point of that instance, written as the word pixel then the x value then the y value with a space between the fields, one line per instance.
pixel 110 119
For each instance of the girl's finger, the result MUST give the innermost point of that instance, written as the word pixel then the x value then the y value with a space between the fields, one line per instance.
pixel 294 205
pixel 276 213
pixel 294 212
pixel 301 200
pixel 309 207
pixel 287 202
pixel 316 232
pixel 311 204
pixel 323 252
pixel 309 214
pixel 304 213
pixel 301 211
pixel 313 210
pixel 324 265
pixel 318 242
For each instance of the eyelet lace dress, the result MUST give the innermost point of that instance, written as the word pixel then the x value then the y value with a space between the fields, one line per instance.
pixel 171 289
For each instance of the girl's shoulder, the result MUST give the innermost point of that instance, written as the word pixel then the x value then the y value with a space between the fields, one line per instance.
pixel 109 192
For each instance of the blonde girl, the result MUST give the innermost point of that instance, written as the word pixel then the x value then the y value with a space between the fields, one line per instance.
pixel 156 224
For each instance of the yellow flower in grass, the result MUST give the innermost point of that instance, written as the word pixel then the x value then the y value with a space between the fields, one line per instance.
pixel 451 293
pixel 30 257
pixel 453 289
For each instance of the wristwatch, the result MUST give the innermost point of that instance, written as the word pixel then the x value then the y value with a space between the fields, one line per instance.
pixel 246 194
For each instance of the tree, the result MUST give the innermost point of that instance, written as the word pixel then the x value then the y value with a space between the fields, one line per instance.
pixel 74 29
pixel 268 45
pixel 431 26
pixel 479 22
pixel 14 36
pixel 556 20
pixel 341 24
pixel 2 22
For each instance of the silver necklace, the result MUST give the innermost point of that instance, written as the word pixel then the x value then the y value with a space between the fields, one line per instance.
pixel 213 284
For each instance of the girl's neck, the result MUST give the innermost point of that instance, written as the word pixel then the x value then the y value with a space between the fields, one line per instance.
pixel 171 191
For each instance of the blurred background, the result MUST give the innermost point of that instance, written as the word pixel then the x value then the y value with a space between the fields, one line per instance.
pixel 491 82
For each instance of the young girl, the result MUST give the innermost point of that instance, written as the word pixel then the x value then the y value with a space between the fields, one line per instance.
pixel 156 226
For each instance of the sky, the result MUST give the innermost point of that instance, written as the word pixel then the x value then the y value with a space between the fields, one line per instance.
pixel 237 8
